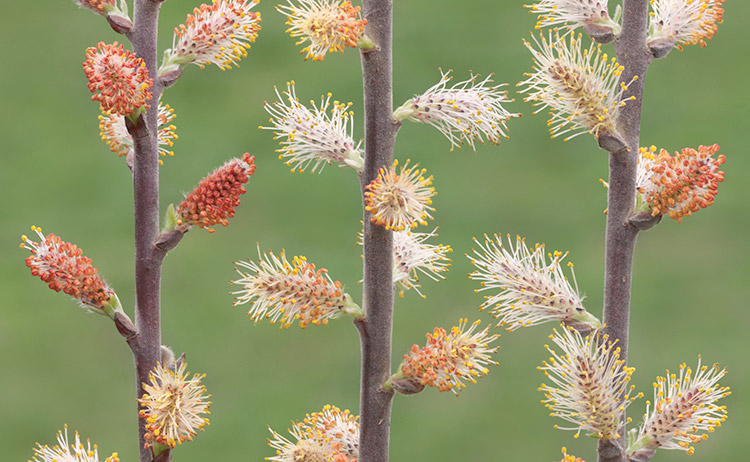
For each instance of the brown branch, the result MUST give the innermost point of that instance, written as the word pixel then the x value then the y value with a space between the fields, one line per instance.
pixel 634 55
pixel 146 346
pixel 377 288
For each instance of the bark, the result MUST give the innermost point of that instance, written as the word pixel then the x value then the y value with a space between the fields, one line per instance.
pixel 634 55
pixel 377 291
pixel 146 345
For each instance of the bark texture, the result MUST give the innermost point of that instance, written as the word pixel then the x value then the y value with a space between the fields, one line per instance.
pixel 146 345
pixel 377 288
pixel 634 55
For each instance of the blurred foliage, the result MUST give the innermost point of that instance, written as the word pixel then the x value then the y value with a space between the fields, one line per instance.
pixel 60 365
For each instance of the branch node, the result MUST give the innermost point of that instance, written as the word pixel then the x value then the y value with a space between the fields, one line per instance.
pixel 609 450
pixel 366 45
pixel 163 457
pixel 599 34
pixel 661 47
pixel 169 78
pixel 612 142
pixel 120 24
pixel 168 240
pixel 642 455
pixel 139 130
pixel 405 386
pixel 125 326
pixel 643 220
pixel 365 51
pixel 361 325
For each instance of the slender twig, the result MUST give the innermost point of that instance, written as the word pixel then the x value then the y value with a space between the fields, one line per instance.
pixel 146 345
pixel 634 55
pixel 377 289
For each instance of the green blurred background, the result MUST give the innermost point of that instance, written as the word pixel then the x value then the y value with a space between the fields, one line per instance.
pixel 59 365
